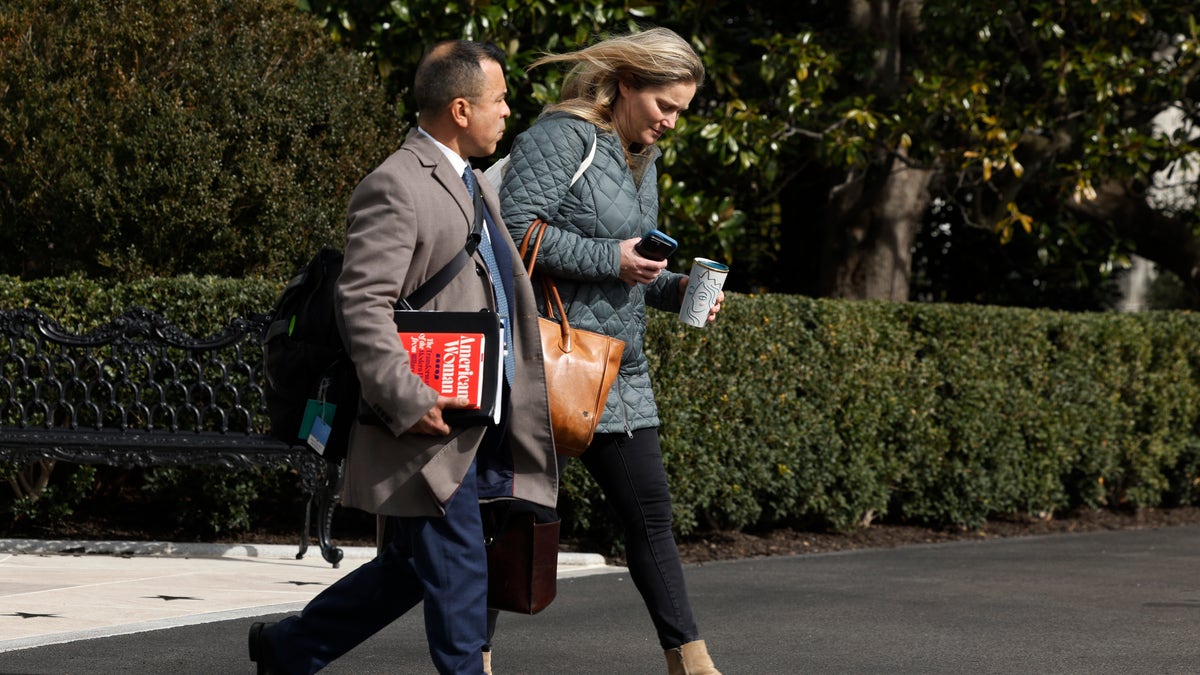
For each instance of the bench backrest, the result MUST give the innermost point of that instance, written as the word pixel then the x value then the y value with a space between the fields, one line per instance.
pixel 137 372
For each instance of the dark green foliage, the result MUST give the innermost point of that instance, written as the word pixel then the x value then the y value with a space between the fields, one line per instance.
pixel 211 136
pixel 814 411
pixel 44 504
pixel 211 501
pixel 790 410
pixel 1022 110
pixel 177 136
pixel 200 306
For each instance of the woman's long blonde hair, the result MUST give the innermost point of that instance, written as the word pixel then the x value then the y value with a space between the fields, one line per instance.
pixel 657 56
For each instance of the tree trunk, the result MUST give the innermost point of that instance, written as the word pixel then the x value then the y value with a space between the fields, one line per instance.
pixel 872 224
pixel 874 217
pixel 1167 240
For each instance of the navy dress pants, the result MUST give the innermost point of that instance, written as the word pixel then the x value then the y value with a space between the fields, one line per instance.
pixel 439 560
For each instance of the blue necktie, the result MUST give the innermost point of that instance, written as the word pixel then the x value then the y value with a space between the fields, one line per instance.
pixel 499 265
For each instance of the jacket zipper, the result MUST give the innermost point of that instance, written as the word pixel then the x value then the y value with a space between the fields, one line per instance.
pixel 624 408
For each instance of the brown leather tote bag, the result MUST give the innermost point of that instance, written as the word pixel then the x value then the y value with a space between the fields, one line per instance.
pixel 581 366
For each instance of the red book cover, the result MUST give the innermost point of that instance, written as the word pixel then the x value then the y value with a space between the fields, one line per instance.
pixel 451 363
pixel 458 353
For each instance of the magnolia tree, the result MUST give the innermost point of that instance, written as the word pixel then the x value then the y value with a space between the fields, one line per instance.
pixel 884 149
pixel 831 134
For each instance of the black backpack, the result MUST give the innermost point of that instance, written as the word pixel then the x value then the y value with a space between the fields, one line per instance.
pixel 305 360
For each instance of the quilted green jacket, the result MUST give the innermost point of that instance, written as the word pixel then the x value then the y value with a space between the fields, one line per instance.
pixel 610 202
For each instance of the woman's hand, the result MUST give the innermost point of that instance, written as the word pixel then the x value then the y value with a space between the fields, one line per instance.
pixel 712 313
pixel 634 268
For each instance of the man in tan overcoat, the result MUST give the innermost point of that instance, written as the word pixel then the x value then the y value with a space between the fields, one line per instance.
pixel 406 221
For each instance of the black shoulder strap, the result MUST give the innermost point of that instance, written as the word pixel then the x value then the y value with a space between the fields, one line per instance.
pixel 437 282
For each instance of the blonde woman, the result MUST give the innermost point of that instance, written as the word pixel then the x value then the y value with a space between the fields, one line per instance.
pixel 619 97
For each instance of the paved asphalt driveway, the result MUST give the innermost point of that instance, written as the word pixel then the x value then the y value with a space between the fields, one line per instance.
pixel 1111 602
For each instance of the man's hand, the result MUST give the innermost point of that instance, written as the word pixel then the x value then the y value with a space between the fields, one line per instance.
pixel 634 268
pixel 432 424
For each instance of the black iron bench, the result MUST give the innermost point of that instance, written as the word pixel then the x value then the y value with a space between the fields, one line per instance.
pixel 138 392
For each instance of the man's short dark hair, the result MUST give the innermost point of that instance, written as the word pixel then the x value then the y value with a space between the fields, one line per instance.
pixel 451 70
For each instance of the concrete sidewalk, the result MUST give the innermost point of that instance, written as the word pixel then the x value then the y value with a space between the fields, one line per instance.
pixel 61 591
pixel 1099 603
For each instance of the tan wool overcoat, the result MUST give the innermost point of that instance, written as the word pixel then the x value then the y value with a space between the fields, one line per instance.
pixel 406 220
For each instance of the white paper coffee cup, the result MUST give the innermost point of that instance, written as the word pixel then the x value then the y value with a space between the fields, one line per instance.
pixel 703 289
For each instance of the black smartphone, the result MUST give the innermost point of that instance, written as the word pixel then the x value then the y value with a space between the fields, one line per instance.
pixel 656 245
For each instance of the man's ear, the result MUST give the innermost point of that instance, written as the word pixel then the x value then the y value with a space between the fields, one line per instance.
pixel 460 112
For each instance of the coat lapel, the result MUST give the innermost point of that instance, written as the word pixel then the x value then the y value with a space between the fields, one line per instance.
pixel 443 172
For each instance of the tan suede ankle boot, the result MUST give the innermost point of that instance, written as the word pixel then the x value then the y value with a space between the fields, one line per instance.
pixel 690 659
pixel 487 663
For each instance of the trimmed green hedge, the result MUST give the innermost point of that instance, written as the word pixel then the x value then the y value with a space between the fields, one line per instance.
pixel 834 414
pixel 792 409
pixel 161 138
pixel 198 305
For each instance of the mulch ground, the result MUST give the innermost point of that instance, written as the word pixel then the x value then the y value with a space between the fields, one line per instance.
pixel 733 545
pixel 353 528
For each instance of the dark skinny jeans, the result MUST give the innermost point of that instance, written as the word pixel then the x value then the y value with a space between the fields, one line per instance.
pixel 630 472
